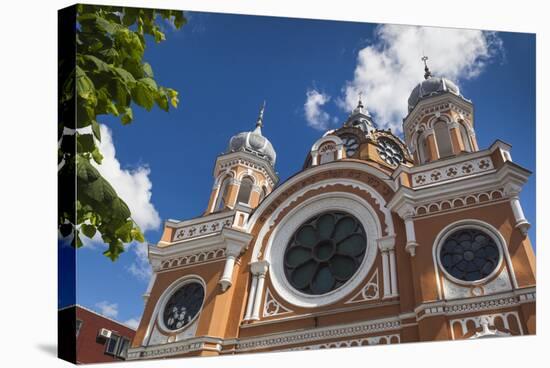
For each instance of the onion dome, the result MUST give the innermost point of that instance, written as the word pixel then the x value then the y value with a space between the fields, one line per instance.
pixel 254 142
pixel 431 86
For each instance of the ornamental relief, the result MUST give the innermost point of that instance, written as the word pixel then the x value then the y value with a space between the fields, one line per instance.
pixel 201 229
pixel 366 178
pixel 272 307
pixel 191 259
pixel 459 202
pixel 497 324
pixel 459 170
pixel 371 291
pixel 373 340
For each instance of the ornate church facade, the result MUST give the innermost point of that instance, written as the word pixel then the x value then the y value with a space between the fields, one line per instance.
pixel 375 241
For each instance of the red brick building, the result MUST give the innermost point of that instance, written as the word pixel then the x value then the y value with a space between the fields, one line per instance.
pixel 89 337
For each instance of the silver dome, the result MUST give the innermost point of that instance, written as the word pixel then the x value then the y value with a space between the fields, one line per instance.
pixel 430 87
pixel 253 142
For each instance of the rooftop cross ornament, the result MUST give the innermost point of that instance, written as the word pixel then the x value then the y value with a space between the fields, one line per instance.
pixel 427 73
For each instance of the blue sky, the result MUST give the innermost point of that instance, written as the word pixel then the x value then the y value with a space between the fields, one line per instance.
pixel 224 66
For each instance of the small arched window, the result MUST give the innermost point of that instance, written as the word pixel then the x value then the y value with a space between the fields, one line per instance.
pixel 465 138
pixel 222 193
pixel 245 190
pixel 421 148
pixel 443 139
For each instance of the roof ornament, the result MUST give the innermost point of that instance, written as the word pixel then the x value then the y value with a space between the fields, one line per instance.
pixel 360 106
pixel 260 121
pixel 427 73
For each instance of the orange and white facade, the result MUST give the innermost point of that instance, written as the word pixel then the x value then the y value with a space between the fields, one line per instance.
pixel 374 241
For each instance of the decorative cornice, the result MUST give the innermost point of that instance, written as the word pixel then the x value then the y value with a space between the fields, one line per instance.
pixel 315 334
pixel 246 159
pixel 472 305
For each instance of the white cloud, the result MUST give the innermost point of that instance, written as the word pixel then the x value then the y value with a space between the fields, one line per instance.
pixel 315 116
pixel 132 323
pixel 133 186
pixel 388 69
pixel 107 309
pixel 140 268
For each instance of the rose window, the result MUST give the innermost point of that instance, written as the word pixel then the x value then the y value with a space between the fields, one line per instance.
pixel 183 306
pixel 389 151
pixel 325 252
pixel 469 255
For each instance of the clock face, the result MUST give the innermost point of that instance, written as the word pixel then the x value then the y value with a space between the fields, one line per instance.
pixel 389 151
pixel 183 306
pixel 351 144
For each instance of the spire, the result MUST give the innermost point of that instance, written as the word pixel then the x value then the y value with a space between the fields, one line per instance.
pixel 260 121
pixel 427 73
pixel 360 106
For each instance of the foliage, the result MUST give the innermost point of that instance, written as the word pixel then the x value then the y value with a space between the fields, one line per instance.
pixel 109 78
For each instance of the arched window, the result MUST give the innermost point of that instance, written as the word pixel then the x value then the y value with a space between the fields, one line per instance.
pixel 465 138
pixel 222 193
pixel 421 148
pixel 245 190
pixel 443 139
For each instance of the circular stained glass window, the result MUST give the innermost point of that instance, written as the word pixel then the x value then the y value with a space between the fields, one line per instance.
pixel 325 252
pixel 183 306
pixel 469 255
pixel 389 151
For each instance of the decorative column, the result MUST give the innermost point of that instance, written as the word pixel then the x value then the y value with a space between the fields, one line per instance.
pixel 406 212
pixel 393 273
pixel 339 151
pixel 236 242
pixel 387 246
pixel 251 297
pixel 232 252
pixel 431 145
pixel 314 158
pixel 259 269
pixel 522 224
pixel 456 138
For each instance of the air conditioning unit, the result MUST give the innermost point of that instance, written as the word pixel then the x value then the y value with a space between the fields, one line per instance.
pixel 104 333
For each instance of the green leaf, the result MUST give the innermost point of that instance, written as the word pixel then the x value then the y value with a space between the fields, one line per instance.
pixel 84 85
pixel 125 75
pixel 88 230
pixel 85 143
pixel 148 70
pixel 114 250
pixel 97 156
pixel 96 130
pixel 128 116
pixel 100 65
pixel 143 96
pixel 137 235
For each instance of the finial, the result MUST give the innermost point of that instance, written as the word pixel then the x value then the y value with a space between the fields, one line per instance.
pixel 260 121
pixel 360 102
pixel 427 73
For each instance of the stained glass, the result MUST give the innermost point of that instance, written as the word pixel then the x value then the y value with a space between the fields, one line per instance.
pixel 183 306
pixel 325 252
